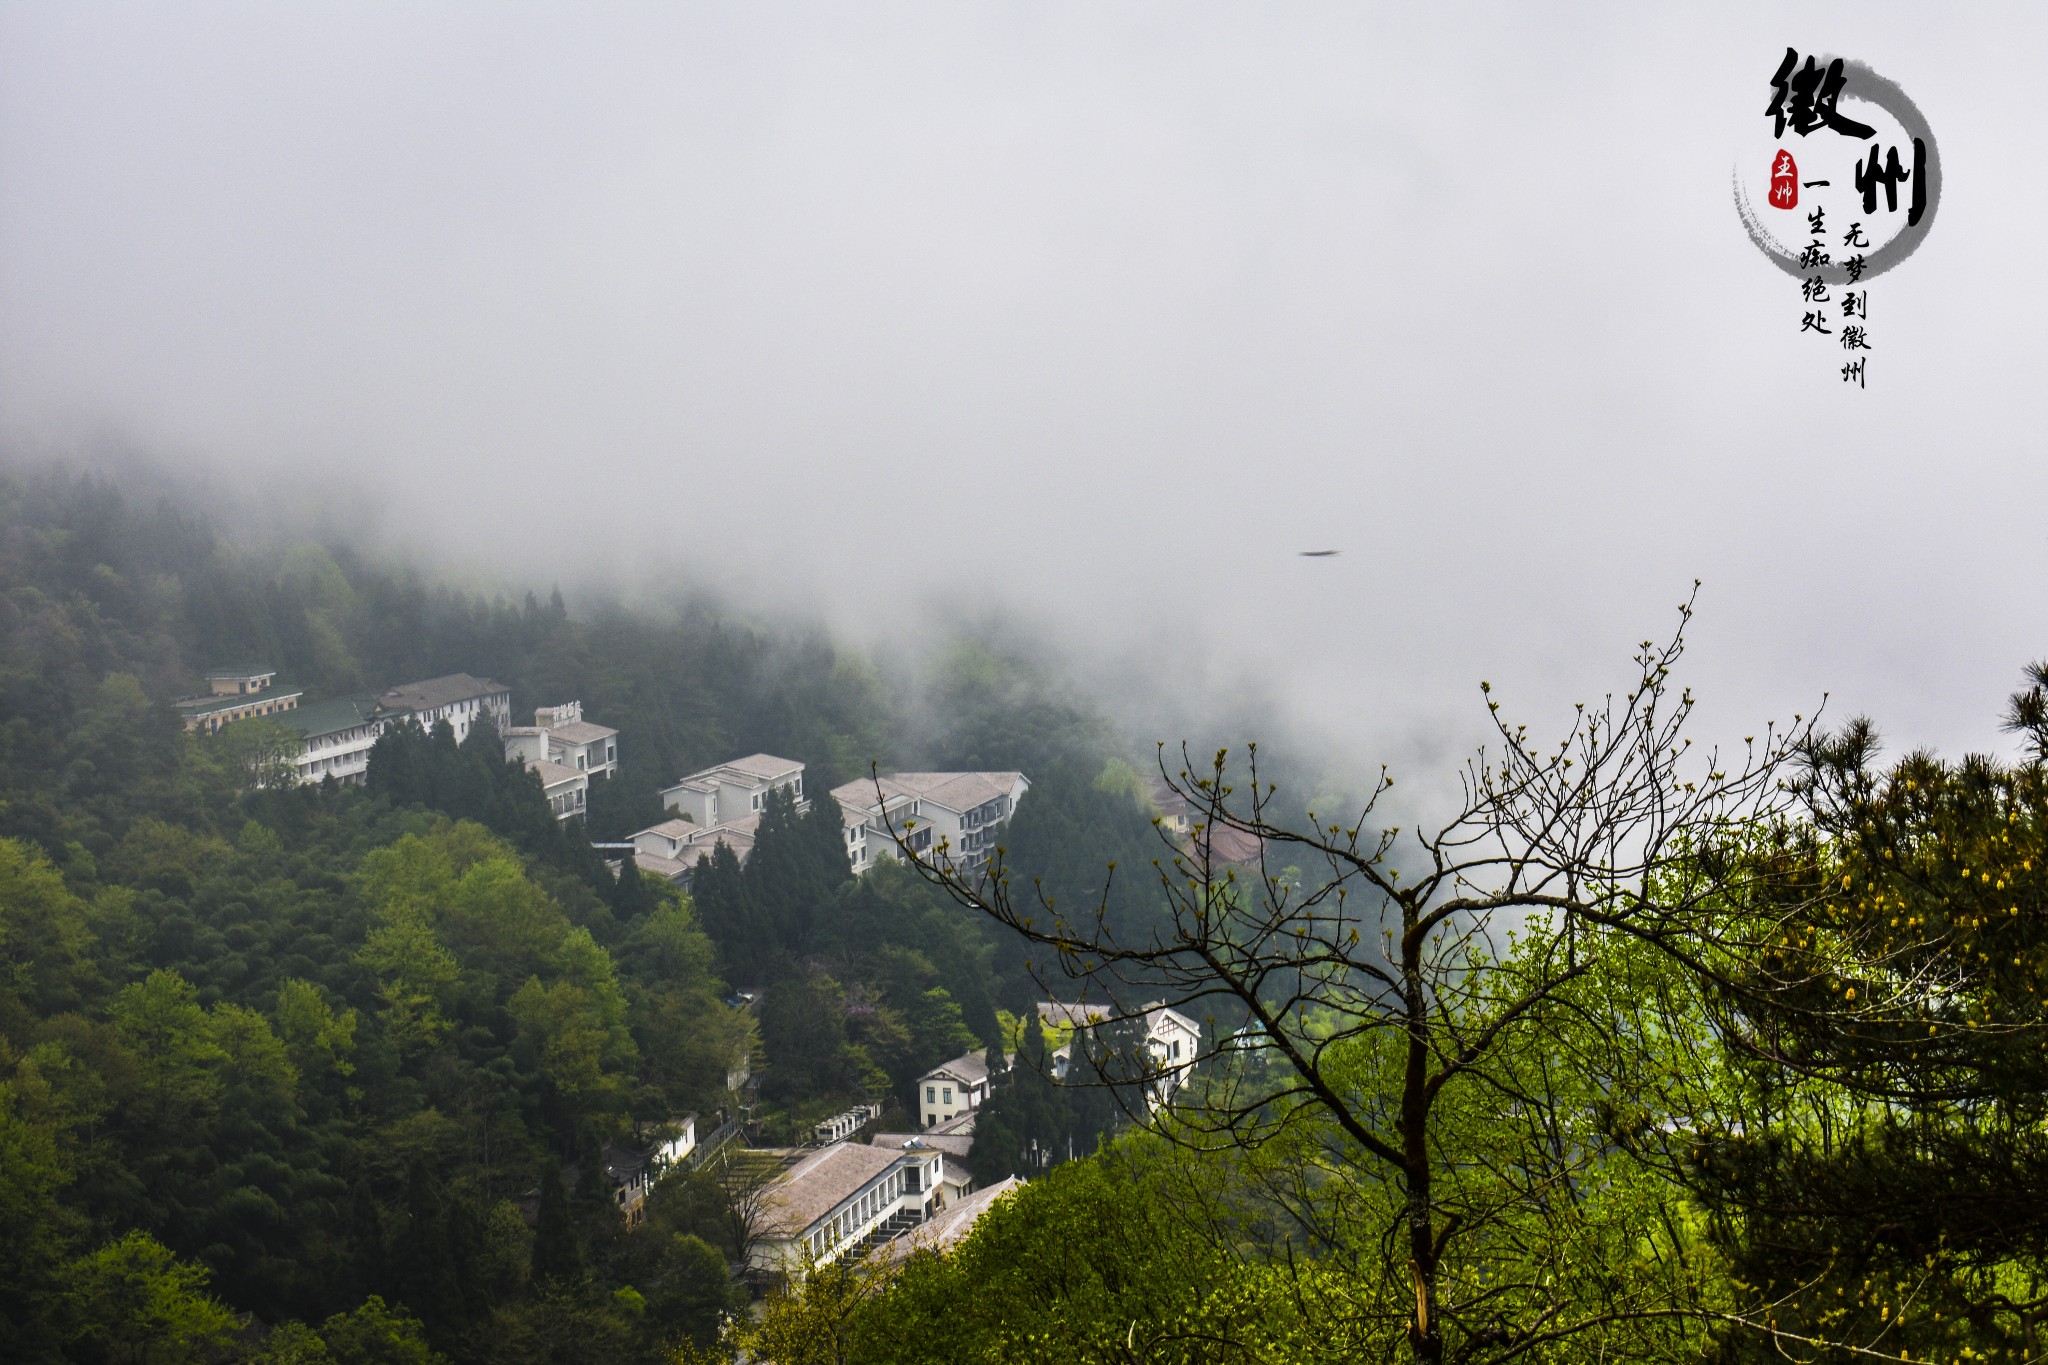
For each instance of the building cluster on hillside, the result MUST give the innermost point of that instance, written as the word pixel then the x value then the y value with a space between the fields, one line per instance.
pixel 724 804
pixel 902 1192
pixel 889 1195
pixel 563 749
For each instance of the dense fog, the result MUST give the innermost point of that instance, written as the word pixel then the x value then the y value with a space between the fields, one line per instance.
pixel 1073 322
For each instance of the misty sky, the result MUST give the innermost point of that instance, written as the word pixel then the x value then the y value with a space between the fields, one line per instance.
pixel 1094 313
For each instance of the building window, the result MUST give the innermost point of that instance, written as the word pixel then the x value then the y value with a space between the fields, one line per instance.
pixel 931 1094
pixel 949 1094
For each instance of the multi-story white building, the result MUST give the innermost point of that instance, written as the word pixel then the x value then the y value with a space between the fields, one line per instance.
pixel 339 735
pixel 456 698
pixel 720 805
pixel 840 1199
pixel 955 1142
pixel 567 790
pixel 732 791
pixel 965 812
pixel 566 751
pixel 951 1089
pixel 568 739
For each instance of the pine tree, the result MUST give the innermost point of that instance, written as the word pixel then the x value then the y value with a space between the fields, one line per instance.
pixel 557 1259
pixel 424 1261
pixel 998 1152
pixel 631 895
pixel 1043 1116
pixel 724 907
pixel 440 760
pixel 394 767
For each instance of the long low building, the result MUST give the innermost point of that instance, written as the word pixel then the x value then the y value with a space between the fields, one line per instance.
pixel 339 734
pixel 458 698
pixel 841 1200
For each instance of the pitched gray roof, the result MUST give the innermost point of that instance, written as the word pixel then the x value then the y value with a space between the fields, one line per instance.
pixel 580 732
pixel 970 1067
pixel 554 774
pixel 667 868
pixel 764 766
pixel 1061 1014
pixel 954 1145
pixel 955 791
pixel 315 720
pixel 438 692
pixel 818 1184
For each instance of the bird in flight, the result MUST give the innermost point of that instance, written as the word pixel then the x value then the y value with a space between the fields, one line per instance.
pixel 1317 554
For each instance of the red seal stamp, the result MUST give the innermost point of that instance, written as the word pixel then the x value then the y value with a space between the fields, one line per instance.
pixel 1784 181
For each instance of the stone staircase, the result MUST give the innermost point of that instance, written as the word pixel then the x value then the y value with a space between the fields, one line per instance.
pixel 896 1224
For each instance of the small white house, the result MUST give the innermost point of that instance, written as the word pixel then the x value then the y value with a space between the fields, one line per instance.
pixel 951 1089
pixel 675 1146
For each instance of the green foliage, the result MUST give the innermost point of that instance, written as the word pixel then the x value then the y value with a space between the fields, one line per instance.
pixel 803 1026
pixel 372 1333
pixel 557 1258
pixel 1877 1172
pixel 1028 1122
pixel 1099 1261
pixel 691 1294
pixel 259 752
pixel 133 1301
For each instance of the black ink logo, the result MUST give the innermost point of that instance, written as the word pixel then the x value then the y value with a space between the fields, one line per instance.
pixel 1883 177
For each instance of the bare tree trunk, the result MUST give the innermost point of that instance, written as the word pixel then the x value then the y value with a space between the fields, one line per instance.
pixel 1424 1337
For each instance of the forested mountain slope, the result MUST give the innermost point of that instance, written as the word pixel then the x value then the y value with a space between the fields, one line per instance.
pixel 315 1055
